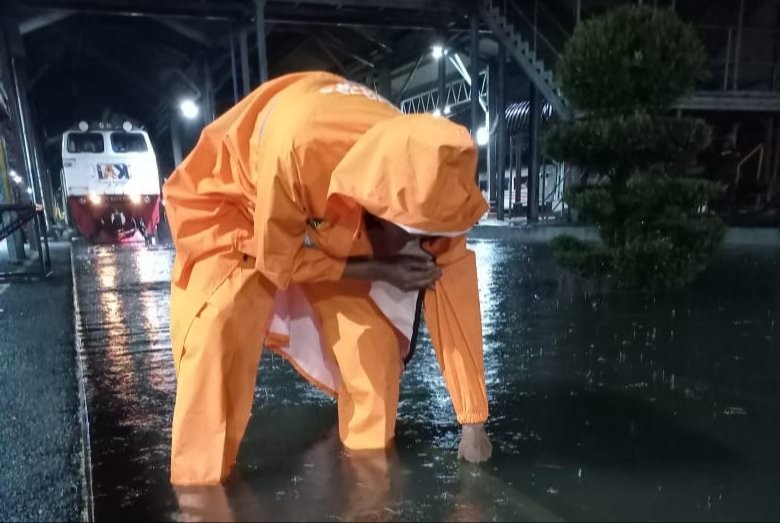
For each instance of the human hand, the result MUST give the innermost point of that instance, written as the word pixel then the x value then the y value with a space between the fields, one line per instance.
pixel 408 273
pixel 474 445
pixel 414 249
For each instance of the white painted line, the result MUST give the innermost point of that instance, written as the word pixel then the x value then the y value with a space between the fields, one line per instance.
pixel 86 442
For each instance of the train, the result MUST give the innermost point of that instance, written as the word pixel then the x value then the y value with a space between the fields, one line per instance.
pixel 111 182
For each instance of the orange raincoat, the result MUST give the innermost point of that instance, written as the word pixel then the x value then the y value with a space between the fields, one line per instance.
pixel 265 212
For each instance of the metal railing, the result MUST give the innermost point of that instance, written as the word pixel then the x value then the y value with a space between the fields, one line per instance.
pixel 458 93
pixel 740 58
pixel 13 218
pixel 543 31
pixel 758 150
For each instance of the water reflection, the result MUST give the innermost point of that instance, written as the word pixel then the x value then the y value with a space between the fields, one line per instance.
pixel 605 405
pixel 107 276
pixel 326 483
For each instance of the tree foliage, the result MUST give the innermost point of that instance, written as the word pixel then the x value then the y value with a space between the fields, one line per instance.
pixel 623 72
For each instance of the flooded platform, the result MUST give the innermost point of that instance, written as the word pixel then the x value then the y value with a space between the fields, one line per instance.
pixel 40 438
pixel 605 405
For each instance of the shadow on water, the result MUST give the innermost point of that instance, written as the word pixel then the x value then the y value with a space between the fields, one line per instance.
pixel 605 405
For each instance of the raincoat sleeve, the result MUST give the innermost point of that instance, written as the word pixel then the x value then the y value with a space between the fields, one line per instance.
pixel 280 229
pixel 455 324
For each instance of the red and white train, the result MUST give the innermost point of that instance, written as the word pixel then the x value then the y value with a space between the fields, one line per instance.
pixel 111 182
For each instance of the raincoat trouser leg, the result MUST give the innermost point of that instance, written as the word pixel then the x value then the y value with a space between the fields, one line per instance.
pixel 365 347
pixel 216 360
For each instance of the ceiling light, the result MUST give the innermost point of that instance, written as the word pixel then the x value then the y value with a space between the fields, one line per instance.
pixel 189 109
pixel 483 137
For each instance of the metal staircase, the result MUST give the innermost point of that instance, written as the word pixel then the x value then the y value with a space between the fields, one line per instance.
pixel 519 46
pixel 458 94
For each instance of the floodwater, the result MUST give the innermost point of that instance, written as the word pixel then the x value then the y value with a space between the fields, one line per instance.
pixel 605 405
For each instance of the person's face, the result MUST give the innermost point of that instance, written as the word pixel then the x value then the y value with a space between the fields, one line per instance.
pixel 387 239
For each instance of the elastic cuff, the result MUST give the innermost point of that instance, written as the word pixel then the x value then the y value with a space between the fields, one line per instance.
pixel 468 418
pixel 176 482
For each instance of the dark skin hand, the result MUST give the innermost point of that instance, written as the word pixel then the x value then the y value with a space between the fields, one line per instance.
pixel 408 273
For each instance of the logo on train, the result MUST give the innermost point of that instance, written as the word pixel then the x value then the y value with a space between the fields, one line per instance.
pixel 113 171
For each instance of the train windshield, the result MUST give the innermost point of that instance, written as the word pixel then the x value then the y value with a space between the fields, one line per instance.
pixel 128 143
pixel 85 143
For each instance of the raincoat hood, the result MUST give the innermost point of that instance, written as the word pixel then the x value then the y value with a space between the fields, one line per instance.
pixel 416 171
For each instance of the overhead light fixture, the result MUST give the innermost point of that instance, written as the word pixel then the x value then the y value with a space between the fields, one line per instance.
pixel 127 126
pixel 483 136
pixel 135 198
pixel 447 110
pixel 83 126
pixel 15 176
pixel 29 190
pixel 437 51
pixel 437 113
pixel 189 109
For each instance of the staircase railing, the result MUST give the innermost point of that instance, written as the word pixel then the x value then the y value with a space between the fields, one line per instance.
pixel 516 40
pixel 758 150
pixel 537 20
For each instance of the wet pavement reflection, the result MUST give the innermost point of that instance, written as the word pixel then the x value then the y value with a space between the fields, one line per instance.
pixel 605 405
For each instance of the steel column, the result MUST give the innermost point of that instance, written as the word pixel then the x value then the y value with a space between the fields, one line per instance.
pixel 244 49
pixel 442 84
pixel 533 154
pixel 738 44
pixel 501 131
pixel 233 65
pixel 476 120
pixel 262 53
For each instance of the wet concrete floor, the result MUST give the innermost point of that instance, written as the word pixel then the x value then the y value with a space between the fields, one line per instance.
pixel 605 405
pixel 40 437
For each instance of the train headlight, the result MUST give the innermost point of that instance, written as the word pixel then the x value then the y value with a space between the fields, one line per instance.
pixel 135 199
pixel 95 199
